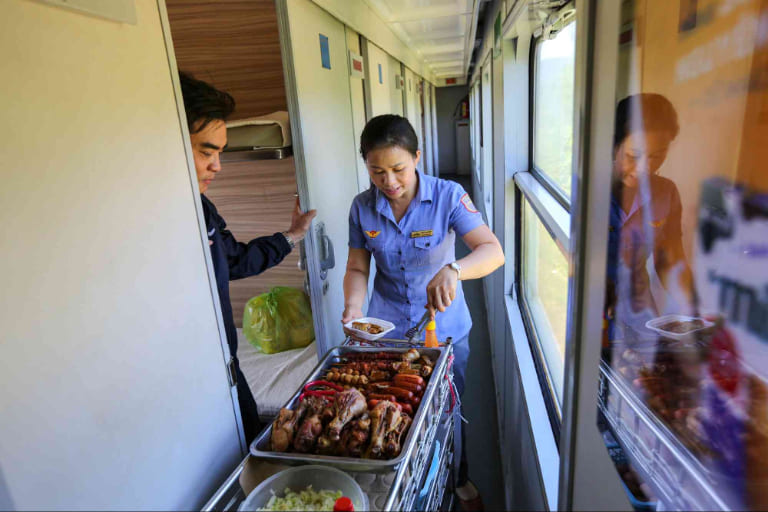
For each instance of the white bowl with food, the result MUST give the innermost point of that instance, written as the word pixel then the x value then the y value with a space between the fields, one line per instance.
pixel 369 328
pixel 678 327
pixel 305 488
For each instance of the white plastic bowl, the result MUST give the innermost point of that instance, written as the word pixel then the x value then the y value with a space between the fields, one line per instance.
pixel 298 478
pixel 657 323
pixel 386 326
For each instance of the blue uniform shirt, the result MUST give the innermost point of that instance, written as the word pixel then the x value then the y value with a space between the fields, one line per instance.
pixel 653 222
pixel 408 254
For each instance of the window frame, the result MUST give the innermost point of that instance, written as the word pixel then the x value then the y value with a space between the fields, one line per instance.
pixel 553 209
pixel 485 178
pixel 545 207
pixel 540 174
pixel 534 343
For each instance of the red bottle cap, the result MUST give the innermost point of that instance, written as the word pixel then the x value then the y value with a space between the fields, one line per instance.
pixel 343 504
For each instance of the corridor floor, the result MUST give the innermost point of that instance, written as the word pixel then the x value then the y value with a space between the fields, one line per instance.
pixel 479 402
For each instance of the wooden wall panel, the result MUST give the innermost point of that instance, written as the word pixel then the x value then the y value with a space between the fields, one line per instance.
pixel 256 199
pixel 233 45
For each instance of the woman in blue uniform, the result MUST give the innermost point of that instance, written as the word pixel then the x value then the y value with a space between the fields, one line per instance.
pixel 207 109
pixel 409 221
pixel 645 221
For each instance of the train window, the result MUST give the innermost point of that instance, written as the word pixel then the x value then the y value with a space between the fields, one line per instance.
pixel 553 90
pixel 685 336
pixel 545 292
pixel 542 264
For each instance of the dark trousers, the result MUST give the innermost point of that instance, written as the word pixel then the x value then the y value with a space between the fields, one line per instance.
pixel 248 411
pixel 460 359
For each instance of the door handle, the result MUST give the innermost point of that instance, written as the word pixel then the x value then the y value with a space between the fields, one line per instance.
pixel 302 264
pixel 327 256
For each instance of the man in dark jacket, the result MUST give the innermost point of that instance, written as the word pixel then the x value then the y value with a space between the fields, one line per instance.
pixel 207 109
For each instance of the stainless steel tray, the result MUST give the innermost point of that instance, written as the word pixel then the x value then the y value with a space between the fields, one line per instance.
pixel 260 445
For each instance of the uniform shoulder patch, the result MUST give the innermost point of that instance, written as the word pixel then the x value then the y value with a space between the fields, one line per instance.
pixel 468 204
pixel 372 234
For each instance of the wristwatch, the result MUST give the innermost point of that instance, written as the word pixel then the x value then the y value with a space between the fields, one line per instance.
pixel 288 239
pixel 455 266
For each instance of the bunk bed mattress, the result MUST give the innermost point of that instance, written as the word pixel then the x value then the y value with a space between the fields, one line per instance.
pixel 270 131
pixel 274 378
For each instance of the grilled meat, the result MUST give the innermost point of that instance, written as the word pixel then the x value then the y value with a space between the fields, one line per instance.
pixel 348 405
pixel 284 426
pixel 367 327
pixel 385 418
pixel 372 356
pixel 393 439
pixel 325 446
pixel 311 427
pixel 283 429
pixel 354 436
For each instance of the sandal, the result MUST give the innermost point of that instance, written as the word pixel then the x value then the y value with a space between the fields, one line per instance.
pixel 469 497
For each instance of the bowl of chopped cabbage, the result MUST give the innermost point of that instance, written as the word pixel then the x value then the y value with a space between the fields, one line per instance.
pixel 305 488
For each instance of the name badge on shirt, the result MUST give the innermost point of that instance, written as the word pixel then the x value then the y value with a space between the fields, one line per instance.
pixel 373 234
pixel 421 234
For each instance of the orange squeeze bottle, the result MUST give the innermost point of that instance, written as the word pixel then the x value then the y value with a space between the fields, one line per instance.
pixel 430 338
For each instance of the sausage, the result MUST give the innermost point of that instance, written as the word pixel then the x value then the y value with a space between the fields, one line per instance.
pixel 413 388
pixel 406 377
pixel 401 394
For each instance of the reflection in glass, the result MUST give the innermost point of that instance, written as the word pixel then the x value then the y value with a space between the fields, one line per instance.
pixel 545 286
pixel 684 389
pixel 553 107
pixel 645 220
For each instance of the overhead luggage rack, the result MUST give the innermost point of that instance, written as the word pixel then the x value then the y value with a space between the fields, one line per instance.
pixel 243 154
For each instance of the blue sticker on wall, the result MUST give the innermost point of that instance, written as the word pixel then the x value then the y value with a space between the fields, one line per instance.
pixel 380 79
pixel 325 53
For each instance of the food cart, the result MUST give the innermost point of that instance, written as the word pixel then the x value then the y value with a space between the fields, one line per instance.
pixel 418 478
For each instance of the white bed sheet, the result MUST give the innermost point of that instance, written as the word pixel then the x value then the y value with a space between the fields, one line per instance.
pixel 273 378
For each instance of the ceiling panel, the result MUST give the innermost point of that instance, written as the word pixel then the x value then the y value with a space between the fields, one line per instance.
pixel 437 30
pixel 394 10
pixel 455 25
pixel 431 51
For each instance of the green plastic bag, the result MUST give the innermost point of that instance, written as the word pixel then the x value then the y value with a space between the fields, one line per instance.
pixel 278 320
